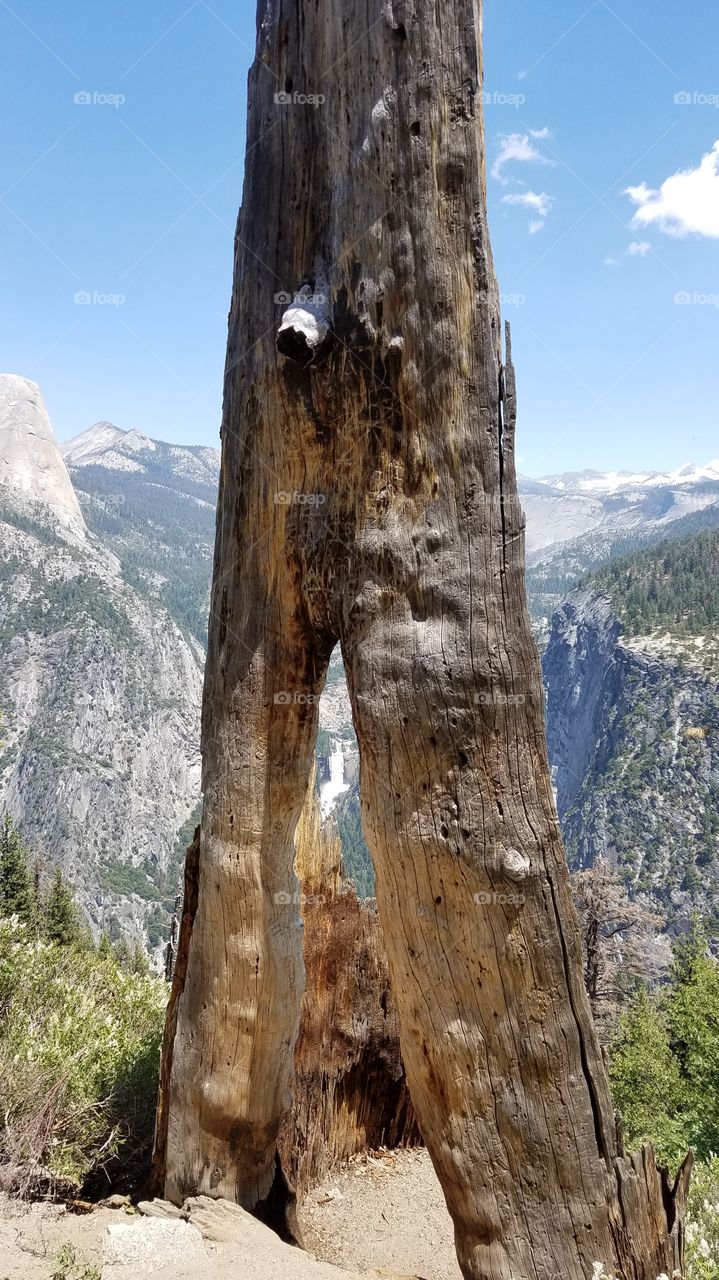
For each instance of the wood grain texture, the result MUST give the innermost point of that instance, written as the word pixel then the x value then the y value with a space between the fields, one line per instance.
pixel 349 1092
pixel 368 496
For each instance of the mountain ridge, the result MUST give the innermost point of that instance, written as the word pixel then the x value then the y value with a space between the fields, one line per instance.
pixel 148 511
pixel 633 724
pixel 100 691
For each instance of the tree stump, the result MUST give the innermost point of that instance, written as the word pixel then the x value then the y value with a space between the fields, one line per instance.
pixel 368 497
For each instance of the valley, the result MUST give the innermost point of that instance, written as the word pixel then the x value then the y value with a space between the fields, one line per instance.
pixel 106 546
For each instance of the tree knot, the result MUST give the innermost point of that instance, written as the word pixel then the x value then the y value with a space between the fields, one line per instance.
pixel 514 864
pixel 306 327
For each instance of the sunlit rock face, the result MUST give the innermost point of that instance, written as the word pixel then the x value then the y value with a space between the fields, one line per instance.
pixel 33 474
pixel 100 674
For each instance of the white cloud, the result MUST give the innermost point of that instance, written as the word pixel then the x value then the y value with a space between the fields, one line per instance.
pixel 520 148
pixel 611 262
pixel 538 201
pixel 639 248
pixel 685 204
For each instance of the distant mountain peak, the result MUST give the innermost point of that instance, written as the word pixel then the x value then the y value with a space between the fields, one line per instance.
pixel 33 475
pixel 102 441
pixel 606 482
pixel 114 449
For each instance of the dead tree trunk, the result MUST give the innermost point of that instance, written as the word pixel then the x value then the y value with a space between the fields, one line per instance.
pixel 368 495
pixel 349 1091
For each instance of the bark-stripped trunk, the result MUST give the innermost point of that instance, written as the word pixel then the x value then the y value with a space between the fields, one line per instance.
pixel 368 495
pixel 349 1092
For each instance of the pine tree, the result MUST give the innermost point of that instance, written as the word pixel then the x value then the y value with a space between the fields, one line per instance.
pixel 646 1081
pixel 104 948
pixel 61 918
pixel 123 955
pixel 16 891
pixel 140 965
pixel 694 1025
pixel 688 948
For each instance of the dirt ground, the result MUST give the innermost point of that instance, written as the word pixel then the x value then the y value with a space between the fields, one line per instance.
pixel 379 1214
pixel 391 1214
pixel 33 1236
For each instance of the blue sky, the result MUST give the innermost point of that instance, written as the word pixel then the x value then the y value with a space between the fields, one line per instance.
pixel 137 199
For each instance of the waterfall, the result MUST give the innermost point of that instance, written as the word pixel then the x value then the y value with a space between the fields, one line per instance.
pixel 331 790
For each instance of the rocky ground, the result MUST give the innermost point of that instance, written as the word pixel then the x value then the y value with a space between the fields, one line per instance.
pixel 377 1217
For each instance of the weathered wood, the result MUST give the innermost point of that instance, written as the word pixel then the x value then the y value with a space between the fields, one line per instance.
pixel 349 1092
pixel 368 495
pixel 178 976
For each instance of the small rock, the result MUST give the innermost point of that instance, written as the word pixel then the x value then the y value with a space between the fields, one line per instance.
pixel 222 1221
pixel 160 1209
pixel 150 1244
pixel 334 1193
pixel 116 1202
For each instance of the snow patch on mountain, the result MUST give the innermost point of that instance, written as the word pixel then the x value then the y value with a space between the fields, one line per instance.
pixel 105 445
pixel 114 449
pixel 614 481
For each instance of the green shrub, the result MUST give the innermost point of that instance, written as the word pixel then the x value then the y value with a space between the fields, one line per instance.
pixel 79 1057
pixel 16 889
pixel 68 1264
pixel 646 1081
pixel 702 1256
pixel 665 1081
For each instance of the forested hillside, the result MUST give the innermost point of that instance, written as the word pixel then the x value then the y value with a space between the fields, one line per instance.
pixel 154 504
pixel 633 724
pixel 671 587
pixel 100 679
pixel 553 573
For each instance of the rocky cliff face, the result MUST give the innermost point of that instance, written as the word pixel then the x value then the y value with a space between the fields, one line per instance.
pixel 105 559
pixel 633 735
pixel 33 478
pixel 99 690
pixel 153 504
